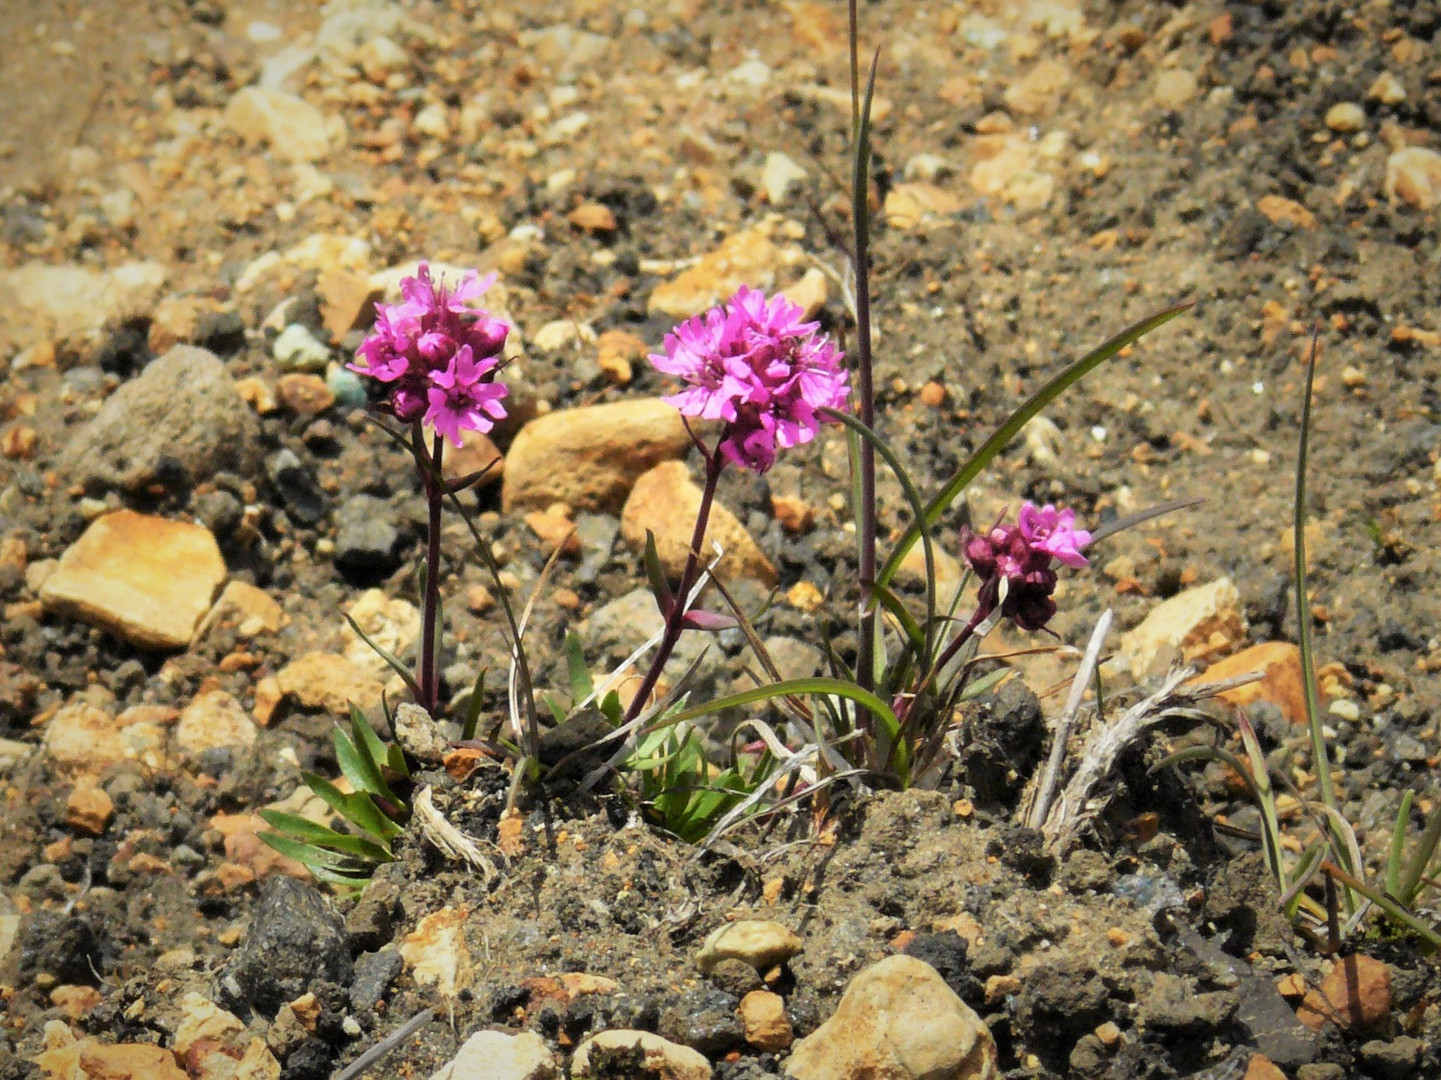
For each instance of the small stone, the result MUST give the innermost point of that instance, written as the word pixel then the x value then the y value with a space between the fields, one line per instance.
pixel 748 257
pixel 554 530
pixel 347 301
pixel 214 720
pixel 419 735
pixel 147 580
pixel 304 394
pixel 778 175
pixel 436 953
pixel 76 1002
pixel 1283 211
pixel 763 1015
pixel 1387 89
pixel 1356 993
pixel 1173 88
pixel 203 1020
pixel 255 610
pixel 182 411
pixel 662 1058
pixel 617 351
pixel 1040 88
pixel 366 536
pixel 665 501
pixel 294 129
pixel 1413 176
pixel 295 936
pixel 810 293
pixel 897 1019
pixel 593 217
pixel 1197 625
pixel 759 942
pixel 83 738
pixel 88 809
pixel 498 1055
pixel 296 349
pixel 934 394
pixel 1346 117
pixel 796 516
pixel 589 457
pixel 1260 1067
pixel 243 846
pixel 1395 1059
pixel 18 442
pixel 329 682
pixel 258 394
pixel 908 205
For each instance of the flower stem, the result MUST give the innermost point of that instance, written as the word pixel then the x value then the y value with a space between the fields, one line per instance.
pixel 428 676
pixel 674 618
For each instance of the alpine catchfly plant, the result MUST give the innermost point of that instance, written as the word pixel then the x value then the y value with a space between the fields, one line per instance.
pixel 1022 555
pixel 756 366
pixel 439 358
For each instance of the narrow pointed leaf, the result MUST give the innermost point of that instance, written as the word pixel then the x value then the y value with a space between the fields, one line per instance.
pixel 580 681
pixel 655 574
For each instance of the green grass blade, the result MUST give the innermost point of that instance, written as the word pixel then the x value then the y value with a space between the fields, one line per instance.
pixel 395 663
pixel 471 720
pixel 359 768
pixel 797 687
pixel 1398 846
pixel 1413 874
pixel 1003 435
pixel 312 856
pixel 576 669
pixel 308 832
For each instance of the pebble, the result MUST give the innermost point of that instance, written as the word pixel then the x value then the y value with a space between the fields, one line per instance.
pixel 296 349
pixel 295 483
pixel 366 537
pixel 593 217
pixel 810 292
pixel 184 410
pixel 65 1056
pixel 1413 176
pixel 1040 88
pixel 897 1019
pixel 749 257
pixel 294 129
pixel 1279 663
pixel 41 301
pixel 347 301
pixel 760 943
pixel 256 611
pixel 436 953
pixel 419 735
pixel 1387 89
pixel 589 457
pixel 1356 993
pixel 202 1020
pixel 1174 88
pixel 295 936
pixel 304 394
pixel 1346 117
pixel 147 580
pixel 498 1055
pixel 326 681
pixel 1200 624
pixel 763 1016
pixel 616 352
pixel 662 1059
pixel 1282 211
pixel 213 720
pixel 665 501
pixel 779 174
pixel 88 808
pixel 374 972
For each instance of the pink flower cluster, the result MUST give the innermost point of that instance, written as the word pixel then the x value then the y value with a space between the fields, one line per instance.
pixel 440 356
pixel 755 365
pixel 1022 555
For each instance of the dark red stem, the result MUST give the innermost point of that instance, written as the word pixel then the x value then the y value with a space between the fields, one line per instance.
pixel 428 676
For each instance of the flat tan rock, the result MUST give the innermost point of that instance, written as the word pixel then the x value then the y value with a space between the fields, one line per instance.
pixel 1198 625
pixel 320 680
pixel 662 1058
pixel 436 953
pixel 665 501
pixel 1279 664
pixel 294 129
pixel 898 1020
pixel 147 580
pixel 749 257
pixel 588 458
pixel 214 720
pixel 763 1018
pixel 82 737
pixel 760 943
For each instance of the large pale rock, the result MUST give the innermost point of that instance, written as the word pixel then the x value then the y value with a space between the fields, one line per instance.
pixel 1198 625
pixel 665 501
pixel 758 942
pixel 1279 664
pixel 436 953
pixel 897 1020
pixel 496 1055
pixel 390 622
pixel 661 1058
pixel 749 257
pixel 82 737
pixel 147 580
pixel 294 129
pixel 184 410
pixel 42 301
pixel 202 1019
pixel 1413 176
pixel 588 458
pixel 214 720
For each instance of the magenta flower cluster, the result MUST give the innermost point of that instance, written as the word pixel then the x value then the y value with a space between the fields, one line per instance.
pixel 440 356
pixel 1022 555
pixel 753 364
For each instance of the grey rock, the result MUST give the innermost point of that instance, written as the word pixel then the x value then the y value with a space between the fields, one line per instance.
pixel 735 977
pixel 295 937
pixel 297 487
pixel 366 536
pixel 182 414
pixel 704 1019
pixel 374 972
pixel 63 946
pixel 1394 1060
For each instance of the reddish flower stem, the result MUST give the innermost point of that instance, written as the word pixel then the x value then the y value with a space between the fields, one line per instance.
pixel 675 617
pixel 428 675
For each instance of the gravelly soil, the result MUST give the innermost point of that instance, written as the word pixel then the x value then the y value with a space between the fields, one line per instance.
pixel 1164 135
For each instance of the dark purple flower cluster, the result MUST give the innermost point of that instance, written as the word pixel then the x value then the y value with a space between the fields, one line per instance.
pixel 1021 556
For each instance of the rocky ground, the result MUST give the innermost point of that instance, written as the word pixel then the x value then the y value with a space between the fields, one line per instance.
pixel 200 203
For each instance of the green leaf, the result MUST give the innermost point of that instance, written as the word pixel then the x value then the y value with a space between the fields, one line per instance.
pixel 313 856
pixel 1003 435
pixel 655 574
pixel 580 681
pixel 471 719
pixel 360 768
pixel 1398 846
pixel 1425 850
pixel 395 663
pixel 356 808
pixel 308 832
